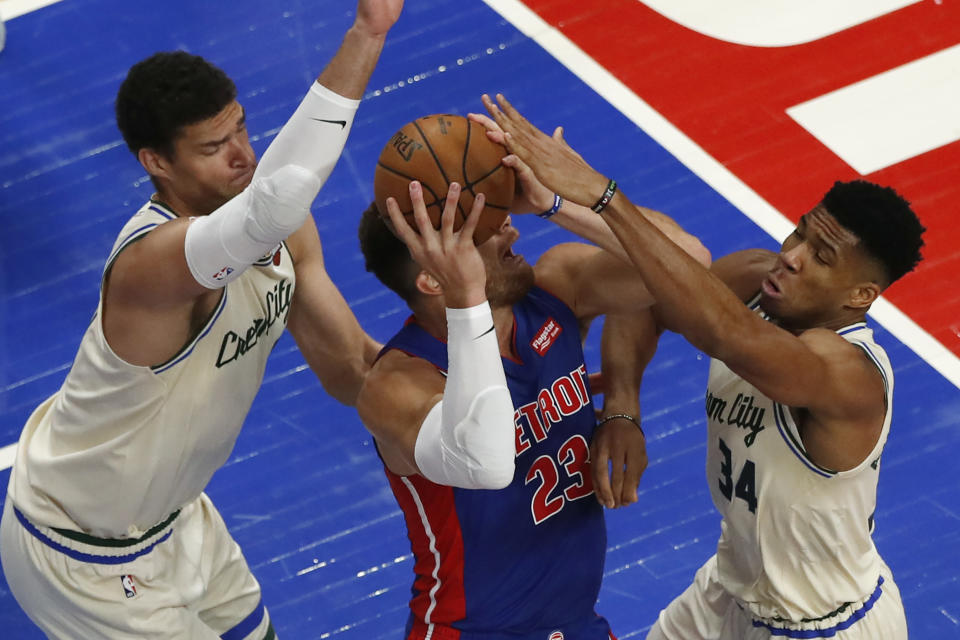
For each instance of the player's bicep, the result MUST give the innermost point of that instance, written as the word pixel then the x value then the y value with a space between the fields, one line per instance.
pixel 592 281
pixel 396 397
pixel 810 371
pixel 153 272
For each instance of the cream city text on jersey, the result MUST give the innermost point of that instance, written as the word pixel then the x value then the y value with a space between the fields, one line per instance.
pixel 742 413
pixel 277 304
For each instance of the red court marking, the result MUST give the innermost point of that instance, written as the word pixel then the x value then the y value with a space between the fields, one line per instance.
pixel 732 100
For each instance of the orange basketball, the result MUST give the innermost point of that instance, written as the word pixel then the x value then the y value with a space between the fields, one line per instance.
pixel 438 150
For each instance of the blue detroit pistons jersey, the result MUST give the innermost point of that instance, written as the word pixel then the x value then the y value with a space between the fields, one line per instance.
pixel 523 562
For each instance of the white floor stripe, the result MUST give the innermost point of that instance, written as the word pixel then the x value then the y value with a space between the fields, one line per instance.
pixel 706 167
pixel 890 117
pixel 12 8
pixel 7 455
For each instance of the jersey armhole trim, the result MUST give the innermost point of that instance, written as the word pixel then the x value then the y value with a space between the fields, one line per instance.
pixel 795 446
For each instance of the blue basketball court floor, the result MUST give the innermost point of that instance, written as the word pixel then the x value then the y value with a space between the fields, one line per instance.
pixel 304 493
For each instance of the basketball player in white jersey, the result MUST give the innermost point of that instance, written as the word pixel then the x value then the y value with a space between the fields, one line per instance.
pixel 798 403
pixel 106 531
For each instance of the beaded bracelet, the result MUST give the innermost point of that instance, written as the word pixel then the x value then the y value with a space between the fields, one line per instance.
pixel 557 201
pixel 606 197
pixel 625 417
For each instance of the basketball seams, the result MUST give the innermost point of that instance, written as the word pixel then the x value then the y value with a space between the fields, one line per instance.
pixel 433 154
pixel 436 198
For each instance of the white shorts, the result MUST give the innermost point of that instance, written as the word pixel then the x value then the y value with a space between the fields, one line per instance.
pixel 185 578
pixel 706 611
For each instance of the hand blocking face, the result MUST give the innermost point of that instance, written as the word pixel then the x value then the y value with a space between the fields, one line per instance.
pixel 449 256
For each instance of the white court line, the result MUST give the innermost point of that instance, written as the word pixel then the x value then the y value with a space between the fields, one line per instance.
pixel 7 455
pixel 707 168
pixel 13 8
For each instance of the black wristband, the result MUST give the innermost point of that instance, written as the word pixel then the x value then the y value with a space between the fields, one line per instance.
pixel 625 417
pixel 606 197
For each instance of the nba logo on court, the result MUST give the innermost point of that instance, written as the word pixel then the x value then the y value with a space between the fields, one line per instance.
pixel 556 635
pixel 129 588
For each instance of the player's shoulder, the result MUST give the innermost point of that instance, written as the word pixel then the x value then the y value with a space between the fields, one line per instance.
pixel 554 271
pixel 834 349
pixel 744 271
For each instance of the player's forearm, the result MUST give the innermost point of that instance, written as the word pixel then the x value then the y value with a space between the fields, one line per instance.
pixel 349 71
pixel 627 345
pixel 588 225
pixel 690 301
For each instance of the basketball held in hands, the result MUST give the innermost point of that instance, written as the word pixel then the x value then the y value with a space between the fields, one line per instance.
pixel 437 150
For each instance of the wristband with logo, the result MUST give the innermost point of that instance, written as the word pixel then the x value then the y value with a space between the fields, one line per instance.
pixel 606 197
pixel 557 202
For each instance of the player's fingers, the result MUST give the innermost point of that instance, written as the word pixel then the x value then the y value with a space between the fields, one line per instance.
pixel 487 122
pixel 558 134
pixel 470 225
pixel 631 480
pixel 400 225
pixel 508 109
pixel 449 213
pixel 428 234
pixel 493 110
pixel 599 465
pixel 616 477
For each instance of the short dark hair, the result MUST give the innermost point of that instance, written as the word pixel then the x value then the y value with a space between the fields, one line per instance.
pixel 883 220
pixel 386 256
pixel 166 92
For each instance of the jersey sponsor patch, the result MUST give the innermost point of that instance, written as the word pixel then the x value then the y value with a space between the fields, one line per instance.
pixel 546 336
pixel 556 635
pixel 129 586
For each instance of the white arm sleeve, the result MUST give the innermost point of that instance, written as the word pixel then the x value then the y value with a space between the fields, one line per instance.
pixel 467 439
pixel 221 245
pixel 314 136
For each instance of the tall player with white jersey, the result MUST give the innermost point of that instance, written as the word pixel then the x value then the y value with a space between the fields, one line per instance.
pixel 798 403
pixel 106 531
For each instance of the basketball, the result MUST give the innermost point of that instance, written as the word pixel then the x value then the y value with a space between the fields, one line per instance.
pixel 437 150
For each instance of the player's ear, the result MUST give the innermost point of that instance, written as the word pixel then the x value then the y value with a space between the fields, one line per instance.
pixel 155 163
pixel 863 295
pixel 428 285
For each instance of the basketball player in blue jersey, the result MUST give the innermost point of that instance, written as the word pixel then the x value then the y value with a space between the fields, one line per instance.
pixel 481 411
pixel 106 531
pixel 798 403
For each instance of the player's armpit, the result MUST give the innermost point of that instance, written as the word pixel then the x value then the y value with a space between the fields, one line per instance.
pixel 396 396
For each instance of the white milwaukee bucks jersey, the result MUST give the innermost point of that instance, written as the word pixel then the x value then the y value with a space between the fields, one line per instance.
pixel 120 447
pixel 795 539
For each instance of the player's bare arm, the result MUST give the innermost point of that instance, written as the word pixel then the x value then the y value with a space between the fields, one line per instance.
pixel 393 402
pixel 792 370
pixel 331 340
pixel 618 452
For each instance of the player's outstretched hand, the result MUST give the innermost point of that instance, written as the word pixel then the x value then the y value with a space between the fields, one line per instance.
pixel 376 17
pixel 618 457
pixel 449 256
pixel 555 164
pixel 532 196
